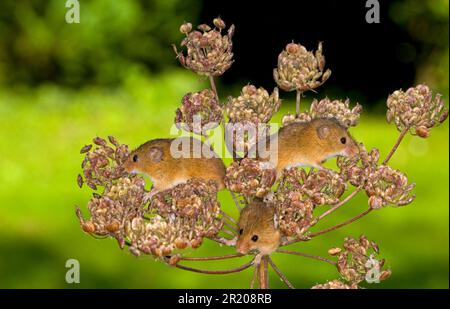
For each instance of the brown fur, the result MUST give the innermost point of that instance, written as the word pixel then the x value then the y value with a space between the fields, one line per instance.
pixel 165 171
pixel 257 219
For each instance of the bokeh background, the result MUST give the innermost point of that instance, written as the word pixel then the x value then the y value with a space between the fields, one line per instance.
pixel 115 73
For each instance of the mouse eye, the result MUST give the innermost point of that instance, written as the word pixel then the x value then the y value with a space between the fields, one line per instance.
pixel 241 231
pixel 135 158
pixel 343 140
pixel 255 238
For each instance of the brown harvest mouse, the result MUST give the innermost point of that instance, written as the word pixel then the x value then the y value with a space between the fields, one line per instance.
pixel 160 160
pixel 257 231
pixel 310 144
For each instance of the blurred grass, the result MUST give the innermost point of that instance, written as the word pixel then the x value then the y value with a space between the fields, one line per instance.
pixel 43 129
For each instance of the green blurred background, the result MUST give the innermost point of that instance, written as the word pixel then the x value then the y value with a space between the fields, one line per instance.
pixel 115 74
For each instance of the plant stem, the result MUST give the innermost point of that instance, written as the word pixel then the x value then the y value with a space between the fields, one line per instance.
pixel 319 258
pixel 263 275
pixel 255 275
pixel 222 241
pixel 212 258
pixel 216 272
pixel 341 224
pixel 394 148
pixel 335 207
pixel 213 86
pixel 236 202
pixel 231 219
pixel 297 102
pixel 280 274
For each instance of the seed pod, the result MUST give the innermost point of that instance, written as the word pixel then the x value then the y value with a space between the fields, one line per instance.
pixel 422 131
pixel 85 148
pixel 334 251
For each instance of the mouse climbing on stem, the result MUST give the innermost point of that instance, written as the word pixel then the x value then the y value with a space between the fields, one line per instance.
pixel 285 194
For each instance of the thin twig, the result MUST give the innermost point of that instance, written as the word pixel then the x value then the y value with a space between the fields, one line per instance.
pixel 397 143
pixel 254 277
pixel 229 226
pixel 319 258
pixel 216 272
pixel 223 241
pixel 297 102
pixel 236 202
pixel 227 216
pixel 228 232
pixel 280 274
pixel 335 207
pixel 212 258
pixel 213 86
pixel 263 275
pixel 341 224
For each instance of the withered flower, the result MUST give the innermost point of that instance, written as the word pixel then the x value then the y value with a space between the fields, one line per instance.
pixel 199 112
pixel 250 178
pixel 245 136
pixel 178 218
pixel 209 52
pixel 254 105
pixel 386 186
pixel 326 108
pixel 357 258
pixel 334 285
pixel 102 164
pixel 110 212
pixel 357 169
pixel 416 108
pixel 323 187
pixel 299 69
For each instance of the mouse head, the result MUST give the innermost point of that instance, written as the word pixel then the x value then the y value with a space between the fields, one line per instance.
pixel 257 230
pixel 334 139
pixel 143 158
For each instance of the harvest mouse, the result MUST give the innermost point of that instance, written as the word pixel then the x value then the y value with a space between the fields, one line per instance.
pixel 257 231
pixel 160 160
pixel 309 144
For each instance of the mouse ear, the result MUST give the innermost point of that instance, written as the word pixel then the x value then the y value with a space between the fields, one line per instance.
pixel 323 131
pixel 155 154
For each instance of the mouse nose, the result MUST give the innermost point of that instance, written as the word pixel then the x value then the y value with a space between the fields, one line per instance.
pixel 242 249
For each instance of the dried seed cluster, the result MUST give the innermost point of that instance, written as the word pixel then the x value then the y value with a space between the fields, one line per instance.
pixel 298 193
pixel 353 258
pixel 416 108
pixel 209 52
pixel 383 185
pixel 335 284
pixel 387 186
pixel 326 108
pixel 245 135
pixel 199 112
pixel 111 212
pixel 102 164
pixel 254 105
pixel 299 69
pixel 250 178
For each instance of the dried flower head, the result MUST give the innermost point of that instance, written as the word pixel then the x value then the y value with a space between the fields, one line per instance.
pixel 199 112
pixel 323 187
pixel 335 284
pixel 416 108
pixel 110 212
pixel 102 164
pixel 386 186
pixel 179 218
pixel 357 169
pixel 250 178
pixel 244 136
pixel 357 258
pixel 326 108
pixel 209 52
pixel 299 69
pixel 254 105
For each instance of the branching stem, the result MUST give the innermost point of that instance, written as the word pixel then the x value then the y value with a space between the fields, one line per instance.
pixel 212 258
pixel 338 205
pixel 297 102
pixel 216 272
pixel 280 274
pixel 263 273
pixel 319 258
pixel 394 148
